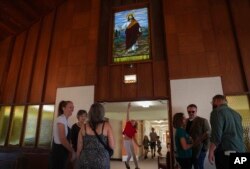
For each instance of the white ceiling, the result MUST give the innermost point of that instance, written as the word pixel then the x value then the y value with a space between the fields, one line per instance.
pixel 158 110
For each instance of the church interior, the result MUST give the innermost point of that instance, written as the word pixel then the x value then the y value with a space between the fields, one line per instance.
pixel 179 52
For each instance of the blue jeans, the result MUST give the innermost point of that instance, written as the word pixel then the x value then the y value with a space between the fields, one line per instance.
pixel 198 163
pixel 201 159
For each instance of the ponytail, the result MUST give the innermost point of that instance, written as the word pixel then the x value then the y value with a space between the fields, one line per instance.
pixel 62 105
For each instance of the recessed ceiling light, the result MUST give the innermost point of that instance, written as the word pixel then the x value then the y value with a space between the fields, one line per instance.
pixel 144 104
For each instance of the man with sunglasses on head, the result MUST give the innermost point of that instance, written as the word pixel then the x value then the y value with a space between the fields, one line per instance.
pixel 198 128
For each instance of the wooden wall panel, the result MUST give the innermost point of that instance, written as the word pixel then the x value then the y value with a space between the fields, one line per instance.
pixel 160 79
pixel 74 47
pixel 90 74
pixel 145 80
pixel 71 77
pixel 5 56
pixel 102 87
pixel 185 41
pixel 201 43
pixel 103 39
pixel 51 83
pixel 230 68
pixel 129 69
pixel 157 30
pixel 241 16
pixel 13 73
pixel 92 44
pixel 58 56
pixel 129 92
pixel 39 74
pixel 25 76
pixel 115 82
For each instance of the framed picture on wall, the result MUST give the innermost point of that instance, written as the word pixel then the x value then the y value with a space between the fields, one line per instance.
pixel 131 35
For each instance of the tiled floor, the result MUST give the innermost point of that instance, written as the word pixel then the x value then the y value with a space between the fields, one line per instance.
pixel 149 164
pixel 143 164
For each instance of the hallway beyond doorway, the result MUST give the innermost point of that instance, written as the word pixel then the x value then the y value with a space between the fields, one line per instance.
pixel 153 113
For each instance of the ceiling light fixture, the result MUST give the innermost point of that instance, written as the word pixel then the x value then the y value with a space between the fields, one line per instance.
pixel 144 104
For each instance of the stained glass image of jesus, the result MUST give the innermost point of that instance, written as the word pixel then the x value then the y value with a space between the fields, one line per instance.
pixel 131 36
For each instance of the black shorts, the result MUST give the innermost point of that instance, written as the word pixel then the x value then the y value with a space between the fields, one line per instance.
pixel 152 145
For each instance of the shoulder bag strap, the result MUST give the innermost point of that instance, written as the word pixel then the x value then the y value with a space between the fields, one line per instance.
pixel 103 127
pixel 100 140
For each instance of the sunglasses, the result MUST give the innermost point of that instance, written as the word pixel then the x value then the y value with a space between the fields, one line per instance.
pixel 191 112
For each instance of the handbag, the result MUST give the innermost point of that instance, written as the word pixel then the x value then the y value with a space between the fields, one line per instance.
pixel 106 146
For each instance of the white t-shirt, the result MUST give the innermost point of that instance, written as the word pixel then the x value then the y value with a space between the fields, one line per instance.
pixel 61 119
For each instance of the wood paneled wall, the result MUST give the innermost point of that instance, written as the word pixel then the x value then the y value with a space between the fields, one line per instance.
pixel 203 38
pixel 240 11
pixel 58 51
pixel 5 57
pixel 201 41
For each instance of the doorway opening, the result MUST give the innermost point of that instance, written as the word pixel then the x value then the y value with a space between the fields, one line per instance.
pixel 149 114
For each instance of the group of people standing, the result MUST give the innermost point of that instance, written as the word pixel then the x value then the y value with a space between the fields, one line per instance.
pixel 191 138
pixel 82 142
pixel 193 135
pixel 87 141
pixel 89 138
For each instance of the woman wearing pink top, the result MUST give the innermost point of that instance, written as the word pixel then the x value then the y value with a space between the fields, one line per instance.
pixel 129 135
